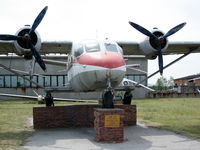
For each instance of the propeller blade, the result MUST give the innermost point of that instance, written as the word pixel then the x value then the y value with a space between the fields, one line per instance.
pixel 8 37
pixel 38 19
pixel 142 30
pixel 38 58
pixel 174 30
pixel 160 62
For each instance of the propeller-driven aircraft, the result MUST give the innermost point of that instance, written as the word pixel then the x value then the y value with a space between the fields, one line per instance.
pixel 92 64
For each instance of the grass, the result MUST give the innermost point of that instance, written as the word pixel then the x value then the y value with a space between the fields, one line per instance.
pixel 181 115
pixel 14 128
pixel 14 124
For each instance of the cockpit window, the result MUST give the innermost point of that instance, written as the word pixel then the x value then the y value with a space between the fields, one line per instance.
pixel 78 51
pixel 120 50
pixel 92 47
pixel 111 47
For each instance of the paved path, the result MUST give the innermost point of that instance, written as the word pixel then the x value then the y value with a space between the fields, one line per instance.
pixel 138 137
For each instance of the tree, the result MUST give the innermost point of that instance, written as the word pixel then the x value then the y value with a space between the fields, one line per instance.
pixel 163 84
pixel 170 82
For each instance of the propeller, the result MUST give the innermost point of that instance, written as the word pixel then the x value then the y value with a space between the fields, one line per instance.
pixel 27 38
pixel 158 39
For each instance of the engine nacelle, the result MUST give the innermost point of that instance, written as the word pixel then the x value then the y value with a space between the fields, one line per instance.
pixel 22 46
pixel 149 45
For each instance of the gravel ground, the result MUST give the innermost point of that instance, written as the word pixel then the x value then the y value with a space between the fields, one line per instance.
pixel 137 137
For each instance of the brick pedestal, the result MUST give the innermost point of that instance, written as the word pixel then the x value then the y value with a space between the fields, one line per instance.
pixel 108 125
pixel 75 116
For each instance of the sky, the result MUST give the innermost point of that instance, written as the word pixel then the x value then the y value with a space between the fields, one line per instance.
pixel 90 19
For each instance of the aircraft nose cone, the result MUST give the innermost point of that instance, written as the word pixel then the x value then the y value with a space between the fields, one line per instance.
pixel 102 59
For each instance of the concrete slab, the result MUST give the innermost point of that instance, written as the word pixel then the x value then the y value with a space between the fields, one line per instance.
pixel 138 137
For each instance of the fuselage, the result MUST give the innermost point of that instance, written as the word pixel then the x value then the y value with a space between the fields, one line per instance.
pixel 96 65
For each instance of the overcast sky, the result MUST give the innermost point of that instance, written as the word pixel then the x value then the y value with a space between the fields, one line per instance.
pixel 89 19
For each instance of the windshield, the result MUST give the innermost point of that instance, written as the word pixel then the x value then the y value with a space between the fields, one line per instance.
pixel 92 47
pixel 111 47
pixel 78 51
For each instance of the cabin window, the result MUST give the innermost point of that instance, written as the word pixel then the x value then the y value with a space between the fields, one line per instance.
pixel 79 51
pixel 111 47
pixel 92 47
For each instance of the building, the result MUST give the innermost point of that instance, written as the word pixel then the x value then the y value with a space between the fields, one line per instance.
pixel 188 84
pixel 57 76
pixel 187 80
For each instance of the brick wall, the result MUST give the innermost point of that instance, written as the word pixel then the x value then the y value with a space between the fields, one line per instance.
pixel 75 116
pixel 113 130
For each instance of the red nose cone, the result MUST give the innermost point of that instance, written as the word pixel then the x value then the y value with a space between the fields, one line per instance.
pixel 102 59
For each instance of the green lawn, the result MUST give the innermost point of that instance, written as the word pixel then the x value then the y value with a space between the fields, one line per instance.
pixel 14 124
pixel 14 128
pixel 181 115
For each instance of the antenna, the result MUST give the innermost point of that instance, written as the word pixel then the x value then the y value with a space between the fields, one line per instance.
pixel 97 34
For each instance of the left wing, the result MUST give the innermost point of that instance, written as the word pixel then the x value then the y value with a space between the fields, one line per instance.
pixel 182 47
pixel 133 48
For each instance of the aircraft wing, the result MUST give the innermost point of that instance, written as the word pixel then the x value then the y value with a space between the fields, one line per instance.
pixel 18 96
pixel 7 47
pixel 130 85
pixel 55 98
pixel 129 47
pixel 132 48
pixel 61 47
pixel 181 47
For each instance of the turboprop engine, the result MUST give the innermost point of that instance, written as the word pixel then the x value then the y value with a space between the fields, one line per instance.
pixel 149 46
pixel 27 41
pixel 156 42
pixel 21 45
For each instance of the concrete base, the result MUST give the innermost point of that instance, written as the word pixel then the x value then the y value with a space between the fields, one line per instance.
pixel 108 125
pixel 75 116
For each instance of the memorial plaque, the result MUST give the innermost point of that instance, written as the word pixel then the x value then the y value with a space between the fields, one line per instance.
pixel 112 121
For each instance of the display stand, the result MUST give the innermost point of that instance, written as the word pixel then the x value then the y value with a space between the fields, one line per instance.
pixel 108 125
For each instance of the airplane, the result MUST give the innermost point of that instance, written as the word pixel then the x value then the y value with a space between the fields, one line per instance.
pixel 95 65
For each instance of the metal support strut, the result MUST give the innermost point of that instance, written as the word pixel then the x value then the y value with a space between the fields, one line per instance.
pixel 179 58
pixel 108 96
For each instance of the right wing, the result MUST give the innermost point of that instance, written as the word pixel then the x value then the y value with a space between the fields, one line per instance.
pixel 60 47
pixel 40 96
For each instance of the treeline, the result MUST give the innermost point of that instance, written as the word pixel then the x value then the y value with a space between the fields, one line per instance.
pixel 163 83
